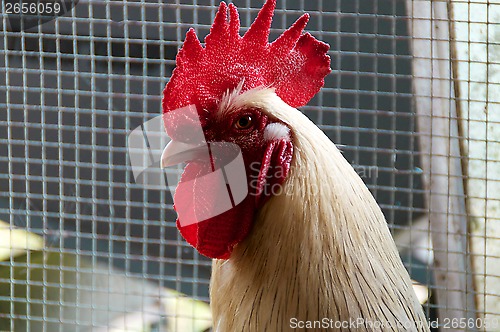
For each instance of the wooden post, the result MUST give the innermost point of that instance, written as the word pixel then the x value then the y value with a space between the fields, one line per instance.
pixel 440 157
pixel 476 36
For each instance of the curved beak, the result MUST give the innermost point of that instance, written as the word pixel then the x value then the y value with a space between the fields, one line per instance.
pixel 177 152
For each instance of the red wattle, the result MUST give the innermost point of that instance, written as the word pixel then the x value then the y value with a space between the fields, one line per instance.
pixel 214 237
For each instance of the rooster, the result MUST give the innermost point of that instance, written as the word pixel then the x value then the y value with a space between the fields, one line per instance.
pixel 308 247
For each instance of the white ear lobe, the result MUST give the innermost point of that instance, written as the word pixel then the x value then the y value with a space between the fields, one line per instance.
pixel 274 131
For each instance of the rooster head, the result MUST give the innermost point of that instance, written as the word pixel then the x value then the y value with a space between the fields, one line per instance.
pixel 222 84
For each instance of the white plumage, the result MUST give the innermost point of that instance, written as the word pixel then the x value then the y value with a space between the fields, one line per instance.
pixel 321 249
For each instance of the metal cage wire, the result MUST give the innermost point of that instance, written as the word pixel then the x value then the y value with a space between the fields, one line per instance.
pixel 74 87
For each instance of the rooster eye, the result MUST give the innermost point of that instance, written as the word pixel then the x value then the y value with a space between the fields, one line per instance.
pixel 244 122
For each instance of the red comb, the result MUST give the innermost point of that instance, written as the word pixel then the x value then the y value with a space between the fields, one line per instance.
pixel 295 64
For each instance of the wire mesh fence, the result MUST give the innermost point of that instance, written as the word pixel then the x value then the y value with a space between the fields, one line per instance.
pixel 74 87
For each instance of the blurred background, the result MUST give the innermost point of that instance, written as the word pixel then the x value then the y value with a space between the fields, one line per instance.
pixel 89 249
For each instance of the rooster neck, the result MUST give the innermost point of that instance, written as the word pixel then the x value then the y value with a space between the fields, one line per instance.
pixel 320 249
